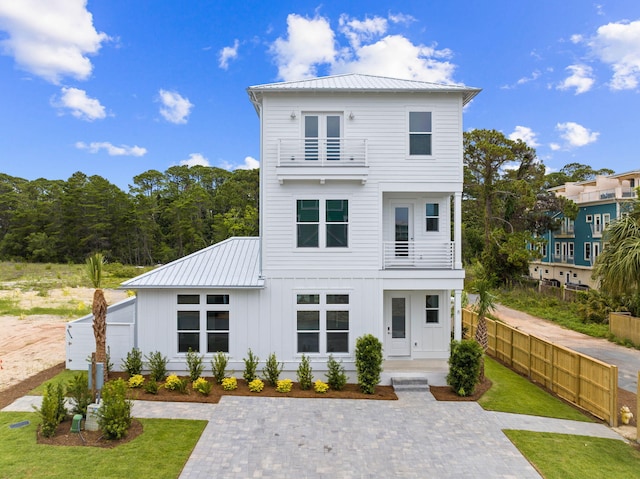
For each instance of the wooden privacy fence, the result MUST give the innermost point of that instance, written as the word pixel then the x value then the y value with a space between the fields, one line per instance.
pixel 582 380
pixel 625 326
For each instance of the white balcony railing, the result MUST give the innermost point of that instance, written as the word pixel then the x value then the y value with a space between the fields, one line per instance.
pixel 326 152
pixel 418 255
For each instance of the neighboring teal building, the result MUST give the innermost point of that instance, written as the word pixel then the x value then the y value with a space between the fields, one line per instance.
pixel 571 251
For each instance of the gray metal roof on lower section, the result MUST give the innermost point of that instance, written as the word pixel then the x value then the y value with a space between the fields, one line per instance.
pixel 232 263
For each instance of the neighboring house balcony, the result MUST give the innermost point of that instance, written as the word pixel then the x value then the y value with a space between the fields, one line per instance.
pixel 565 232
pixel 418 255
pixel 618 193
pixel 322 159
pixel 561 258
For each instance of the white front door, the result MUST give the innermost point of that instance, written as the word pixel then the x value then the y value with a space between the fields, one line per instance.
pixel 398 325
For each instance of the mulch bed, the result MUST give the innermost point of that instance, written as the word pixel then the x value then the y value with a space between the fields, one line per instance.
pixel 446 393
pixel 64 436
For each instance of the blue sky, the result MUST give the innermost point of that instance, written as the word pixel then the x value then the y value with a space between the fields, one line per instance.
pixel 118 87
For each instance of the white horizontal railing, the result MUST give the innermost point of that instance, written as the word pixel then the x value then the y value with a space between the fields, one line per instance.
pixel 322 152
pixel 603 194
pixel 418 255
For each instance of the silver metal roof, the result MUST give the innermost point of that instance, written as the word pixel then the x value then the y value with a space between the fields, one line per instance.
pixel 232 263
pixel 359 82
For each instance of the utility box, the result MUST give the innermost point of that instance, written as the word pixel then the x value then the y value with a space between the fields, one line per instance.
pixel 91 424
pixel 99 376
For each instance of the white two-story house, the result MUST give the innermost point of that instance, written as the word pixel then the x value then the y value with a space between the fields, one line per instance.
pixel 360 232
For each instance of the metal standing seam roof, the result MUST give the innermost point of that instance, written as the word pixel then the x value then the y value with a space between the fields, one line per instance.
pixel 359 82
pixel 232 263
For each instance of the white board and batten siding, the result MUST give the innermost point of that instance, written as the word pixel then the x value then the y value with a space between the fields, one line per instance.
pixel 80 340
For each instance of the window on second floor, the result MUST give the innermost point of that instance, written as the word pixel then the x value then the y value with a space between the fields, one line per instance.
pixel 432 215
pixel 333 232
pixel 420 133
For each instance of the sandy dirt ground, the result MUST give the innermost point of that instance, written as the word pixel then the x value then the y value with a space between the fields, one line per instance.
pixel 31 344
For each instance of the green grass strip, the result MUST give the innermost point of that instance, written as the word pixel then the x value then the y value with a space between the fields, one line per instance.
pixel 161 451
pixel 513 393
pixel 565 456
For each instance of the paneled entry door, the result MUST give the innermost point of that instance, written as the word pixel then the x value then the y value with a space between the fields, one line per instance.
pixel 398 325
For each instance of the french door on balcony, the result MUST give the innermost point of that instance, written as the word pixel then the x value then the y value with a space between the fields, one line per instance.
pixel 322 133
pixel 403 230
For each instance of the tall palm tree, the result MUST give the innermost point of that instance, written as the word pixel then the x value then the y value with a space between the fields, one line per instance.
pixel 98 308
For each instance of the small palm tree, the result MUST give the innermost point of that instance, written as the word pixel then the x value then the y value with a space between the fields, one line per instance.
pixel 98 308
pixel 485 303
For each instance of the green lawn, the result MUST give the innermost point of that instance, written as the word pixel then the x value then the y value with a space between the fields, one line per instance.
pixel 160 452
pixel 513 393
pixel 564 456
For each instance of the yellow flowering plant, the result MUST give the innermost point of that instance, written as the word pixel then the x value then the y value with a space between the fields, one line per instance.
pixel 136 381
pixel 256 386
pixel 202 386
pixel 320 387
pixel 284 385
pixel 229 384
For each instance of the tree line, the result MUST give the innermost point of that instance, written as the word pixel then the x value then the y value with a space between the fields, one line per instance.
pixel 164 216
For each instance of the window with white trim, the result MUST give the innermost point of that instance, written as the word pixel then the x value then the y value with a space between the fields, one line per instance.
pixel 432 217
pixel 557 249
pixel 420 132
pixel 203 326
pixel 570 247
pixel 606 219
pixel 322 323
pixel 597 224
pixel 432 309
pixel 588 218
pixel 596 250
pixel 332 232
pixel 587 251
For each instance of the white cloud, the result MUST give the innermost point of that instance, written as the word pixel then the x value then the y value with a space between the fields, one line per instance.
pixel 80 104
pixel 228 53
pixel 618 45
pixel 576 135
pixel 52 38
pixel 358 31
pixel 555 146
pixel 195 159
pixel 112 150
pixel 175 108
pixel 310 42
pixel 401 18
pixel 525 134
pixel 581 79
pixel 250 163
pixel 576 38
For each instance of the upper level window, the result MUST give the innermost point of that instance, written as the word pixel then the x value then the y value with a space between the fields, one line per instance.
pixel 432 216
pixel 419 133
pixel 312 233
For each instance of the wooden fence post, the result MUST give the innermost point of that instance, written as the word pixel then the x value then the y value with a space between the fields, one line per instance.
pixel 638 411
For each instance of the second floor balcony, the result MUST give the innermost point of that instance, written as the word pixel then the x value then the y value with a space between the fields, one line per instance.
pixel 418 255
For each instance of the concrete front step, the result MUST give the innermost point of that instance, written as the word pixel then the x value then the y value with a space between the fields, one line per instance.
pixel 410 383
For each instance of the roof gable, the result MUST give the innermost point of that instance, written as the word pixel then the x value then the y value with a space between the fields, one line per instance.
pixel 232 263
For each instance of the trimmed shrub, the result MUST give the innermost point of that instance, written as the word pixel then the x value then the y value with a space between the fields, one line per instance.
pixel 136 381
pixel 114 414
pixel 194 362
pixel 305 373
pixel 202 386
pixel 174 383
pixel 78 390
pixel 133 362
pixel 219 366
pixel 229 384
pixel 256 385
pixel 52 410
pixel 250 367
pixel 272 370
pixel 320 387
pixel 151 386
pixel 284 385
pixel 368 362
pixel 157 365
pixel 464 366
pixel 336 377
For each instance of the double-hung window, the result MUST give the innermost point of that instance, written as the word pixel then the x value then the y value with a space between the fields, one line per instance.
pixel 322 323
pixel 420 133
pixel 432 309
pixel 432 215
pixel 332 232
pixel 203 326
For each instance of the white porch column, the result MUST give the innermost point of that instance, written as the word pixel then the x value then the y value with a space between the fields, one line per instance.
pixel 457 314
pixel 457 230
